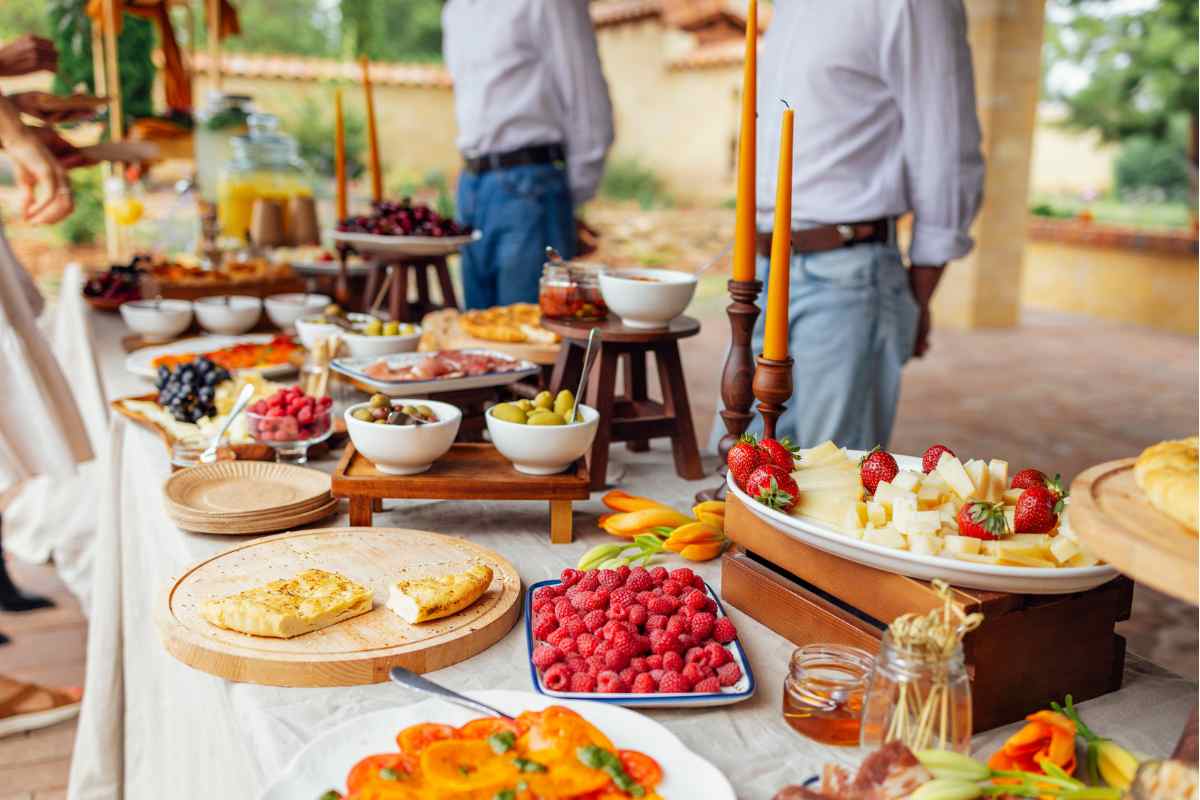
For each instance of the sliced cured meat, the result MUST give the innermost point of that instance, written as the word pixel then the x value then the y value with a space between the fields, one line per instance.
pixel 443 365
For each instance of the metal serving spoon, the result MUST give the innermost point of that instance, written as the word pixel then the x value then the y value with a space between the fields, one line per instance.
pixel 587 367
pixel 411 680
pixel 243 400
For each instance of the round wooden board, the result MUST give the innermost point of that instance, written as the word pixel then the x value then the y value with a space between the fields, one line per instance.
pixel 1111 515
pixel 359 650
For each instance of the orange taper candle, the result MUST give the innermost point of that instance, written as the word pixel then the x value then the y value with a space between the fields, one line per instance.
pixel 775 340
pixel 744 227
pixel 339 155
pixel 372 136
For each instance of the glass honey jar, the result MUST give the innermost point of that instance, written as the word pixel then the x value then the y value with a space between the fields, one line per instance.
pixel 824 690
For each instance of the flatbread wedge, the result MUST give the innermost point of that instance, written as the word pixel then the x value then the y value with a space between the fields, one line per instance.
pixel 1169 474
pixel 425 599
pixel 283 609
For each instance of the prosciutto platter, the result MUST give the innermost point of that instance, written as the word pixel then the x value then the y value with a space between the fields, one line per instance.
pixel 430 373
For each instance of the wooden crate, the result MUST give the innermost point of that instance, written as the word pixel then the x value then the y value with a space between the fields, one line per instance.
pixel 1031 649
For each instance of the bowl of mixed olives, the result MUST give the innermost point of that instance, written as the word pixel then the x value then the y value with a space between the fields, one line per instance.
pixel 402 436
pixel 542 436
pixel 363 335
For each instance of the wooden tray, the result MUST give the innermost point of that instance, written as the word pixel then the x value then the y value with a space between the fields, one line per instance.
pixel 359 650
pixel 440 331
pixel 810 596
pixel 1113 517
pixel 249 451
pixel 466 472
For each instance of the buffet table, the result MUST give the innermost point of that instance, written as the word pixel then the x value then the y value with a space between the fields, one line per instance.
pixel 152 727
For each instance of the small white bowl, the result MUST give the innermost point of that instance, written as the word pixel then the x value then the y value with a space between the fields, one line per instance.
pixel 157 321
pixel 397 450
pixel 239 315
pixel 357 345
pixel 649 304
pixel 284 309
pixel 544 449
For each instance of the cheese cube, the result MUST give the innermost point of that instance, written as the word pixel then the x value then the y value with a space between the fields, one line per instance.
pixel 824 453
pixel 977 471
pixel 948 529
pixel 1010 517
pixel 856 517
pixel 925 544
pixel 936 481
pixel 1012 548
pixel 907 479
pixel 1041 540
pixel 989 547
pixel 960 544
pixel 929 497
pixel 1082 560
pixel 998 476
pixel 1011 496
pixel 877 514
pixel 919 522
pixel 886 537
pixel 1063 549
pixel 886 493
pixel 947 513
pixel 952 472
pixel 978 558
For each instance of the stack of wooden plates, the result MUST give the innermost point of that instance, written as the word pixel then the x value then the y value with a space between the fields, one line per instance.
pixel 237 497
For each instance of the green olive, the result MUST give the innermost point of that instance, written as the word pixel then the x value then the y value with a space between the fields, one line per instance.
pixel 425 410
pixel 410 410
pixel 509 412
pixel 548 418
pixel 363 414
pixel 564 402
pixel 544 400
pixel 525 404
pixel 333 310
pixel 380 401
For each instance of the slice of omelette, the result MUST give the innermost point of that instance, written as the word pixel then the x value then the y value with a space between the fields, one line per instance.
pixel 425 599
pixel 312 600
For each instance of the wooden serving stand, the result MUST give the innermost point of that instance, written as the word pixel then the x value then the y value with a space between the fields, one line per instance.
pixel 1030 649
pixel 468 471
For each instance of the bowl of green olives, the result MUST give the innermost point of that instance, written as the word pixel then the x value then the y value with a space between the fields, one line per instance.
pixel 539 436
pixel 402 436
pixel 363 335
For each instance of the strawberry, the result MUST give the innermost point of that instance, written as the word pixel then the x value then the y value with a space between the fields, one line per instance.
pixel 744 457
pixel 1037 510
pixel 930 459
pixel 1029 478
pixel 982 520
pixel 773 487
pixel 780 453
pixel 877 465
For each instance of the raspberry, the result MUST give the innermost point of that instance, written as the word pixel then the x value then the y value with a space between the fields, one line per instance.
pixel 695 600
pixel 575 663
pixel 583 682
pixel 616 658
pixel 598 600
pixel 672 587
pixel 594 620
pixel 611 628
pixel 702 625
pixel 654 661
pixel 624 571
pixel 570 577
pixel 622 596
pixel 662 604
pixel 546 654
pixel 643 643
pixel 609 579
pixel 585 643
pixel 638 663
pixel 710 605
pixel 600 649
pixel 628 676
pixel 556 677
pixel 644 683
pixel 662 642
pixel 542 604
pixel 698 582
pixel 558 636
pixel 709 685
pixel 588 582
pixel 557 590
pixel 729 674
pixel 657 674
pixel 566 644
pixel 687 641
pixel 624 638
pixel 696 655
pixel 672 662
pixel 637 614
pixel 639 580
pixel 659 574
pixel 723 631
pixel 610 682
pixel 717 655
pixel 696 673
pixel 618 612
pixel 677 625
pixel 580 599
pixel 594 665
pixel 563 609
pixel 656 622
pixel 544 626
pixel 545 593
pixel 685 612
pixel 683 575
pixel 673 683
pixel 574 626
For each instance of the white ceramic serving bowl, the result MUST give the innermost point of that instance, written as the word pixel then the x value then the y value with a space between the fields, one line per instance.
pixel 397 450
pixel 357 345
pixel 647 304
pixel 284 309
pixel 544 449
pixel 157 321
pixel 238 315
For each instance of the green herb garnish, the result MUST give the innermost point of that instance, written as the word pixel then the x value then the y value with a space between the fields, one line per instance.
pixel 505 794
pixel 601 759
pixel 389 774
pixel 332 794
pixel 525 765
pixel 502 741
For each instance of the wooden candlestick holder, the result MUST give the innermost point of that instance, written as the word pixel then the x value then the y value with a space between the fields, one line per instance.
pixel 736 379
pixel 772 385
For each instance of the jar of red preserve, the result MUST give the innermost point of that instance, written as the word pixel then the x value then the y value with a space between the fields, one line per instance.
pixel 571 292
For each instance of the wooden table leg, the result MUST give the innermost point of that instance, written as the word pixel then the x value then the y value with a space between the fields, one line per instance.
pixel 560 522
pixel 449 298
pixel 376 505
pixel 374 279
pixel 601 396
pixel 360 511
pixel 675 403
pixel 398 301
pixel 635 390
pixel 424 301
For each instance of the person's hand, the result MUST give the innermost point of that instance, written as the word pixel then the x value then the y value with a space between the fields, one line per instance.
pixel 57 109
pixel 923 280
pixel 67 154
pixel 45 190
pixel 586 238
pixel 27 54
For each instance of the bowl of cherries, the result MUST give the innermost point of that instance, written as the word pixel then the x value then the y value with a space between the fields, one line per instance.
pixel 404 228
pixel 291 421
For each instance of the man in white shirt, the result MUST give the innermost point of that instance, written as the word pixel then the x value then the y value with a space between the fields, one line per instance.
pixel 885 124
pixel 534 127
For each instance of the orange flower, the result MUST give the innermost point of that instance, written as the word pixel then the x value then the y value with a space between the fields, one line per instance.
pixel 1048 735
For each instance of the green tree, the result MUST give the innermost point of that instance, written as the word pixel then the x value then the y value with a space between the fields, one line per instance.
pixel 408 31
pixel 299 27
pixel 27 16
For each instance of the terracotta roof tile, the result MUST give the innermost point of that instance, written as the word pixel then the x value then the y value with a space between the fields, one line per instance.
pixel 617 12
pixel 707 56
pixel 283 67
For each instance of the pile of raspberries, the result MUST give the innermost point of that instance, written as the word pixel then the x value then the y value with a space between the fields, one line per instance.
pixel 631 630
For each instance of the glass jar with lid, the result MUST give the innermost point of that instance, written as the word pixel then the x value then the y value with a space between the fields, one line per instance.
pixel 265 165
pixel 824 690
pixel 571 292
pixel 223 117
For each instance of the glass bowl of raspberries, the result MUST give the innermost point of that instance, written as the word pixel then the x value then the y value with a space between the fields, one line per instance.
pixel 290 421
pixel 636 637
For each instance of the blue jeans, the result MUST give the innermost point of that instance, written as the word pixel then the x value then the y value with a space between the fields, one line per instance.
pixel 852 326
pixel 520 211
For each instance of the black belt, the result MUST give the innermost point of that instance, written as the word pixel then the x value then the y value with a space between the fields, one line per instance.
pixel 534 154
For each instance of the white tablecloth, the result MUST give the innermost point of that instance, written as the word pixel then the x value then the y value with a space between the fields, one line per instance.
pixel 152 727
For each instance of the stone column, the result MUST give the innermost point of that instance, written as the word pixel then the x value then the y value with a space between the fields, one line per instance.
pixel 984 289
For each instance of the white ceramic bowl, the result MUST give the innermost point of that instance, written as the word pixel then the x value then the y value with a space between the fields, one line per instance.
pixel 544 449
pixel 651 303
pixel 157 322
pixel 239 315
pixel 396 450
pixel 284 309
pixel 357 345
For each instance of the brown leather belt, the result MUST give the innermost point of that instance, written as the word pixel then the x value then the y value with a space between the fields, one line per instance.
pixel 831 237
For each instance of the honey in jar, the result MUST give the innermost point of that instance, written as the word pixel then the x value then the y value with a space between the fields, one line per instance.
pixel 823 692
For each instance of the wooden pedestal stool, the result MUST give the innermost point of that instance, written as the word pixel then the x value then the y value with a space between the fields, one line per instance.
pixel 399 271
pixel 633 417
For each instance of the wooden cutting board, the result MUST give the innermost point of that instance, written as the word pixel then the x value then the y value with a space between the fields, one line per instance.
pixel 358 651
pixel 440 331
pixel 1112 516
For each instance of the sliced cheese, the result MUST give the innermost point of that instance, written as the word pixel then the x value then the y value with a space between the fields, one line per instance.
pixel 978 558
pixel 1064 549
pixel 830 507
pixel 920 522
pixel 425 599
pixel 856 517
pixel 998 477
pixel 925 544
pixel 957 545
pixel 887 494
pixel 907 479
pixel 977 471
pixel 824 453
pixel 952 472
pixel 886 537
pixel 1010 496
pixel 283 609
pixel 929 497
pixel 1010 517
pixel 877 514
